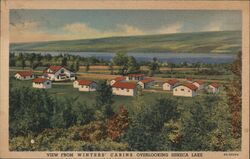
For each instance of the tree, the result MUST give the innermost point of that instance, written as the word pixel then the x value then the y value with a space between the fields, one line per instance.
pixel 117 124
pixel 144 132
pixel 153 67
pixel 133 66
pixel 77 65
pixel 33 107
pixel 23 63
pixel 121 59
pixel 87 67
pixel 234 92
pixel 111 68
pixel 64 61
pixel 104 98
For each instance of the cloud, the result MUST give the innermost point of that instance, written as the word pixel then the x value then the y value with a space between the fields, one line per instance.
pixel 31 32
pixel 173 28
pixel 213 26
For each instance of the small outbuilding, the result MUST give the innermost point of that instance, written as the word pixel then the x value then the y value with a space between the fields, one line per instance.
pixel 214 88
pixel 146 83
pixel 87 85
pixel 24 75
pixel 170 84
pixel 185 90
pixel 199 84
pixel 42 83
pixel 124 88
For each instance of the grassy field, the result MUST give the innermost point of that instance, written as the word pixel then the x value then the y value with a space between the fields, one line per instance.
pixel 64 90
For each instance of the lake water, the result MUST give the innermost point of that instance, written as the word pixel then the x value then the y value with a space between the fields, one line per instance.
pixel 163 57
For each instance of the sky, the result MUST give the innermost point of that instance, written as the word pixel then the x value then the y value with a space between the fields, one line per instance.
pixel 50 25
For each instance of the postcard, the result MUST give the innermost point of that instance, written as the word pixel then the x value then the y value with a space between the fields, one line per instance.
pixel 124 79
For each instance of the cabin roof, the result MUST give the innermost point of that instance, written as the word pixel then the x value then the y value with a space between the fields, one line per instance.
pixel 40 80
pixel 215 85
pixel 25 73
pixel 172 81
pixel 85 82
pixel 127 85
pixel 147 80
pixel 121 78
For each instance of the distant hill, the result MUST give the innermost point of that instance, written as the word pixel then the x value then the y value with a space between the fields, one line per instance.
pixel 202 42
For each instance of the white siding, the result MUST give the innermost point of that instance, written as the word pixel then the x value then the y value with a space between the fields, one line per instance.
pixel 213 89
pixel 146 85
pixel 17 76
pixel 183 91
pixel 76 84
pixel 167 86
pixel 89 88
pixel 56 76
pixel 123 91
pixel 199 86
pixel 44 85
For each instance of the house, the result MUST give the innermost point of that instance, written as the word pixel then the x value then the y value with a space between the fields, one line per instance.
pixel 135 77
pixel 87 85
pixel 124 88
pixel 214 87
pixel 185 90
pixel 58 73
pixel 42 83
pixel 146 83
pixel 24 75
pixel 118 79
pixel 199 84
pixel 170 84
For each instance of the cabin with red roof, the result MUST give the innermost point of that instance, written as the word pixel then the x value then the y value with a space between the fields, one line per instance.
pixel 135 77
pixel 24 75
pixel 185 90
pixel 58 73
pixel 170 84
pixel 146 83
pixel 118 79
pixel 124 88
pixel 214 87
pixel 199 84
pixel 41 83
pixel 85 85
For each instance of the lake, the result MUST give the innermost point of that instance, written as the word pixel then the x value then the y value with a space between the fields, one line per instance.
pixel 163 57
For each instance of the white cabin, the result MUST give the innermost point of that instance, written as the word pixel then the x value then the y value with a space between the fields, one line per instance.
pixel 146 83
pixel 87 85
pixel 170 84
pixel 214 87
pixel 41 83
pixel 199 84
pixel 185 90
pixel 24 75
pixel 124 88
pixel 58 73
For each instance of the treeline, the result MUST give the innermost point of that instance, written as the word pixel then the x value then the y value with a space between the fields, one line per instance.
pixel 128 64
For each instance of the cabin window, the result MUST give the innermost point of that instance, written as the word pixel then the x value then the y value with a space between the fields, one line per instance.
pixel 188 90
pixel 182 89
pixel 48 83
pixel 122 88
pixel 176 89
pixel 24 77
pixel 62 70
pixel 87 86
pixel 127 90
pixel 117 89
